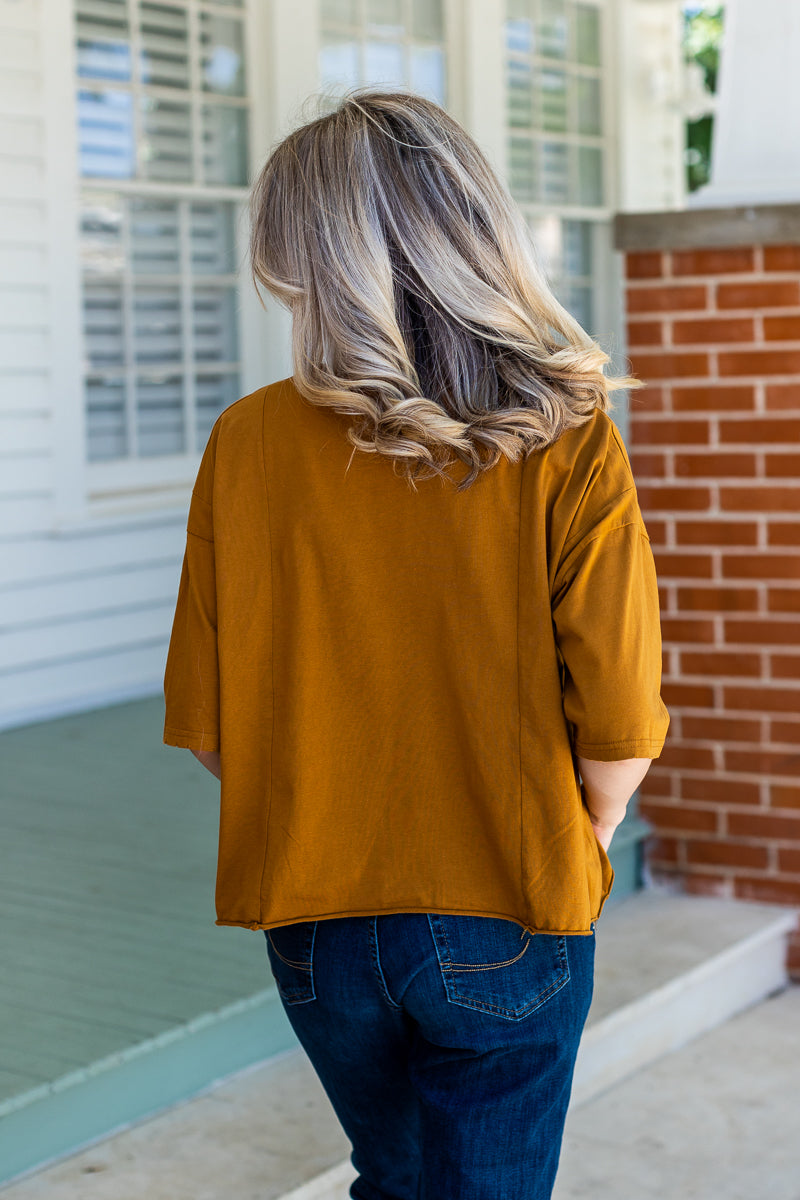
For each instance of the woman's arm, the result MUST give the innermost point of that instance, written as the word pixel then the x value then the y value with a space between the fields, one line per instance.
pixel 607 788
pixel 210 759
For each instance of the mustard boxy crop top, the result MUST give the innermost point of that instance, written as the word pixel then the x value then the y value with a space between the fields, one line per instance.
pixel 398 681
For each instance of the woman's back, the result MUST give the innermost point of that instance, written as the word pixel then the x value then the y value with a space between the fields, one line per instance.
pixel 403 674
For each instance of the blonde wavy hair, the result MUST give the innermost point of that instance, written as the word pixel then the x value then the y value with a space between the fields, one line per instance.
pixel 418 304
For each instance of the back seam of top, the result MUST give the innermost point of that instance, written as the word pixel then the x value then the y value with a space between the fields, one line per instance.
pixel 271 651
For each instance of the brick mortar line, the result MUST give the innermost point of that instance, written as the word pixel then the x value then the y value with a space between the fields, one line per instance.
pixel 735 347
pixel 738 551
pixel 729 680
pixel 771 275
pixel 709 743
pixel 697 449
pixel 731 870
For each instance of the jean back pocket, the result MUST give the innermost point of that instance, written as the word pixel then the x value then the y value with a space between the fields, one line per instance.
pixel 495 966
pixel 290 949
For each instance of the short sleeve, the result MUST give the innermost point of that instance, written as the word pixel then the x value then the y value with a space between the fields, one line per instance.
pixel 606 617
pixel 191 678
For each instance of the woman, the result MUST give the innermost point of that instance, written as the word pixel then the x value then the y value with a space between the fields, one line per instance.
pixel 417 607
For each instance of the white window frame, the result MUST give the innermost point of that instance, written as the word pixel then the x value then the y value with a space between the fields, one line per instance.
pixel 96 495
pixel 598 215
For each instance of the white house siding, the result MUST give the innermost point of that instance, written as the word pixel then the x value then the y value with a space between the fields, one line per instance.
pixel 84 614
pixel 86 598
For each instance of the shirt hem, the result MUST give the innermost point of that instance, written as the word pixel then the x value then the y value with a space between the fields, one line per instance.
pixel 190 739
pixel 613 751
pixel 407 908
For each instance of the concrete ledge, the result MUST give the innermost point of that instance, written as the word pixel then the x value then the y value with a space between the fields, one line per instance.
pixel 691 1004
pixel 701 228
pixel 59 1118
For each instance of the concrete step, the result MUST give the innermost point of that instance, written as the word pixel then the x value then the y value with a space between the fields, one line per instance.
pixel 671 967
pixel 668 969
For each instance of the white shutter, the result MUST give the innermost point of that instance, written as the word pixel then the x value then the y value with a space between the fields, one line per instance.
pixel 212 239
pixel 383 43
pixel 105 405
pixel 164 45
pixel 157 325
pixel 165 148
pixel 556 139
pixel 160 415
pixel 154 237
pixel 162 101
pixel 104 337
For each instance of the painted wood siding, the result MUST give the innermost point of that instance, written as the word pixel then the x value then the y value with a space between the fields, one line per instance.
pixel 84 612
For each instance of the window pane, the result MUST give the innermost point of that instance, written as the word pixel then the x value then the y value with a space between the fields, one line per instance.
pixel 104 60
pixel 590 175
pixel 166 142
pixel 157 325
pixel 212 239
pixel 519 26
pixel 552 92
pixel 164 59
pixel 339 12
pixel 154 237
pixel 589 111
pixel 222 55
pixel 101 234
pixel 426 74
pixel 520 95
pixel 547 238
pixel 215 337
pixel 105 134
pixel 213 393
pixel 427 19
pixel 105 413
pixel 103 325
pixel 101 18
pixel 552 29
pixel 554 173
pixel 577 299
pixel 587 35
pixel 383 63
pixel 521 168
pixel 160 427
pixel 338 63
pixel 224 144
pixel 578 248
pixel 385 16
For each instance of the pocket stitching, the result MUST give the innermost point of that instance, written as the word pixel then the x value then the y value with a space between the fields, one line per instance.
pixel 463 967
pixel 537 1002
pixel 486 1005
pixel 289 962
pixel 302 991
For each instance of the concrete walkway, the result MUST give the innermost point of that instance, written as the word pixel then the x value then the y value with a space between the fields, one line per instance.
pixel 716 1120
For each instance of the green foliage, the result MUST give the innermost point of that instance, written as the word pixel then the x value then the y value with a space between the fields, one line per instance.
pixel 702 36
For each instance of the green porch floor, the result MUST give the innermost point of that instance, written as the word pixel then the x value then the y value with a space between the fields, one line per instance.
pixel 110 953
pixel 118 993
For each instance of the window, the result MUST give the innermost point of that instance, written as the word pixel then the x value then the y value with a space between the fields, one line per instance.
pixel 383 42
pixel 556 139
pixel 162 148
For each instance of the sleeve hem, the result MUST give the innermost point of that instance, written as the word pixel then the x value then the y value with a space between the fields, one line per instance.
pixel 191 739
pixel 614 751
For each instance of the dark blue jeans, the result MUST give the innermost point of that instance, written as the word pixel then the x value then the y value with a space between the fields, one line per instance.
pixel 446 1045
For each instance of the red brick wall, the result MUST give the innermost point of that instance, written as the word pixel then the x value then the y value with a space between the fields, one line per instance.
pixel 715 447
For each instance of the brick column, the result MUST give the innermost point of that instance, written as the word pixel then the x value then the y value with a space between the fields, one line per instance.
pixel 713 308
